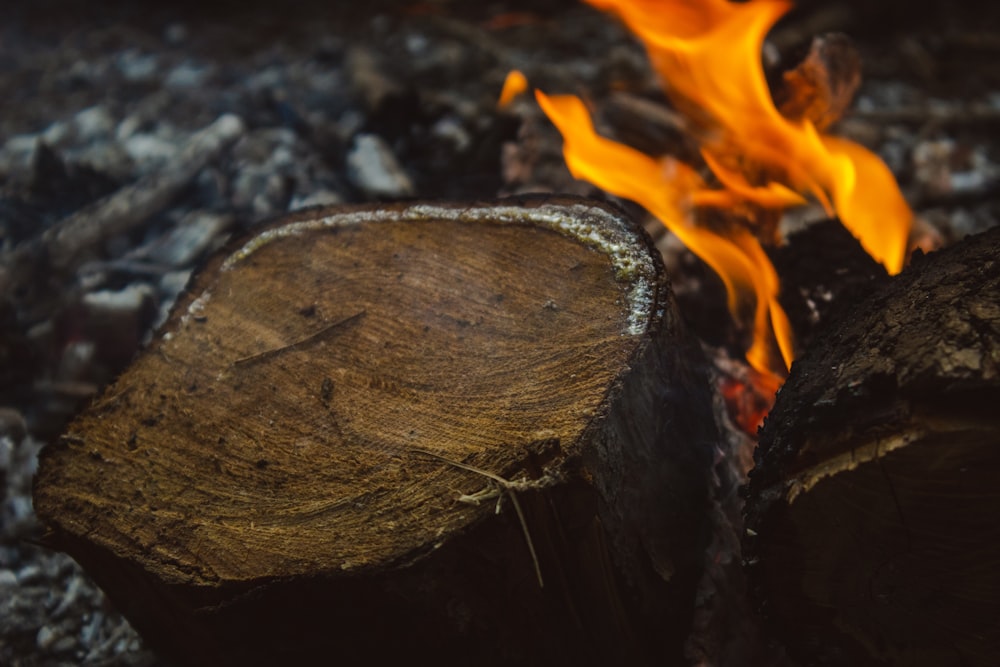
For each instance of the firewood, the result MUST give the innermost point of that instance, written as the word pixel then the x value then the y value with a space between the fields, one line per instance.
pixel 821 88
pixel 468 435
pixel 872 512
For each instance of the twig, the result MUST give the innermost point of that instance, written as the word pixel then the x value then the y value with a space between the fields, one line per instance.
pixel 69 240
pixel 511 487
pixel 267 354
pixel 648 111
pixel 987 191
pixel 973 114
pixel 835 16
pixel 130 205
pixel 822 86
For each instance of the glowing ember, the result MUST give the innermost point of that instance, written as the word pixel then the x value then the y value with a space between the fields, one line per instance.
pixel 708 56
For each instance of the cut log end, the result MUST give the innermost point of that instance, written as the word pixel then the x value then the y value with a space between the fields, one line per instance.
pixel 318 386
pixel 397 421
pixel 874 506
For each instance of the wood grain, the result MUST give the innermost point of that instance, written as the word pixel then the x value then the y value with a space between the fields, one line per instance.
pixel 301 444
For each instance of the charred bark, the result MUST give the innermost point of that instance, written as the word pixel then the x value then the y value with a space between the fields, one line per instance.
pixel 371 434
pixel 872 512
pixel 824 273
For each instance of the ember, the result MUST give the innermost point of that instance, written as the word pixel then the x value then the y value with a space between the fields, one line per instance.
pixel 708 58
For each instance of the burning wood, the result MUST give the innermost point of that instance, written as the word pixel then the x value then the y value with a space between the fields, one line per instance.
pixel 821 88
pixel 708 57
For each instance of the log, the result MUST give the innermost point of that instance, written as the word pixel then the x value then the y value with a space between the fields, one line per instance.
pixel 872 512
pixel 825 273
pixel 467 434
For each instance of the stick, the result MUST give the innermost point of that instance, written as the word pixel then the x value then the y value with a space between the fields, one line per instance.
pixel 69 240
pixel 129 206
pixel 267 354
pixel 973 114
pixel 508 486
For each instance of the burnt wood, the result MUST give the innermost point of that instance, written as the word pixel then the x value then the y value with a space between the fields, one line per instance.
pixel 874 509
pixel 373 434
pixel 824 274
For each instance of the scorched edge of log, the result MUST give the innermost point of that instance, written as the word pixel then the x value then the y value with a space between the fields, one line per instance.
pixel 279 478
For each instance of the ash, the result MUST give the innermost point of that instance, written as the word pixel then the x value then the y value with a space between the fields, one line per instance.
pixel 135 141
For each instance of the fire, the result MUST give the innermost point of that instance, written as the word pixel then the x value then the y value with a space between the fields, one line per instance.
pixel 515 84
pixel 665 187
pixel 747 401
pixel 707 54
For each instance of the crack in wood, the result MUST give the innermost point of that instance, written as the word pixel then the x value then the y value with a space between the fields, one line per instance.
pixel 268 354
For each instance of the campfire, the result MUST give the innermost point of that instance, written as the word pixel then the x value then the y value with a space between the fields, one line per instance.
pixel 310 350
pixel 761 159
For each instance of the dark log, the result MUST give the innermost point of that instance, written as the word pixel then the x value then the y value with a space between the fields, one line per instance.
pixel 825 273
pixel 874 508
pixel 371 434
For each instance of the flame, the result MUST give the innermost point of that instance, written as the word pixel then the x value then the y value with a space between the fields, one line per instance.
pixel 664 186
pixel 515 84
pixel 707 54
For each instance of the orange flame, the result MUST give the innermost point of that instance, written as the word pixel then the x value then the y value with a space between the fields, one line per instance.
pixel 515 84
pixel 664 187
pixel 707 54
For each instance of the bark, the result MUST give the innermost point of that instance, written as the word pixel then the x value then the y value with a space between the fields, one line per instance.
pixel 824 274
pixel 375 433
pixel 872 512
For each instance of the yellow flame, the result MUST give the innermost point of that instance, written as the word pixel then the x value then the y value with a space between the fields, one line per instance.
pixel 515 84
pixel 664 187
pixel 707 54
